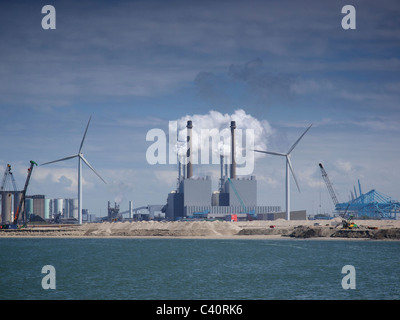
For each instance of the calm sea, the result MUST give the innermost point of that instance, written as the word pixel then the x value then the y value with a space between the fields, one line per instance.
pixel 189 269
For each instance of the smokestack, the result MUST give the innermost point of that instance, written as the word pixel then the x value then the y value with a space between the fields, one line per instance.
pixel 178 160
pixel 189 150
pixel 179 171
pixel 222 171
pixel 130 209
pixel 233 165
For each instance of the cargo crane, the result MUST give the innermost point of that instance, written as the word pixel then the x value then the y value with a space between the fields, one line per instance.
pixel 22 201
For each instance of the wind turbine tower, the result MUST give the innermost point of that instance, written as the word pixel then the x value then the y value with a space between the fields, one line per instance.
pixel 80 157
pixel 288 167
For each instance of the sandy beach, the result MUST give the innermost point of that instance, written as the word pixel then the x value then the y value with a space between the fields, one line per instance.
pixel 277 229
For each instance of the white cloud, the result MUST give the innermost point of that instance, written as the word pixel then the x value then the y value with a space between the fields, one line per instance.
pixel 344 166
pixel 65 178
pixel 166 177
pixel 221 122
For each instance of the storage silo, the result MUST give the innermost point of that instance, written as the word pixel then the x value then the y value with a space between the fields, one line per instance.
pixel 17 199
pixel 58 206
pixel 74 208
pixel 67 208
pixel 6 207
pixel 38 205
pixel 46 208
pixel 28 207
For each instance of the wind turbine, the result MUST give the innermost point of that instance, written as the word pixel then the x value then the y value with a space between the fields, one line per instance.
pixel 80 157
pixel 288 166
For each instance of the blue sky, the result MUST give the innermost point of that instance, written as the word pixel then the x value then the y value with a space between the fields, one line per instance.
pixel 135 65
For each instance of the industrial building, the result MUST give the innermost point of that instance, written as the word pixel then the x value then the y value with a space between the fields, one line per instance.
pixel 34 205
pixel 65 208
pixel 37 207
pixel 149 212
pixel 235 199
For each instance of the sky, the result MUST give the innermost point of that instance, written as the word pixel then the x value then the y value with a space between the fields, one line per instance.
pixel 134 66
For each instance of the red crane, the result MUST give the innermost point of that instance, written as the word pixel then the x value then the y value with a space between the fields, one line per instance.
pixel 22 201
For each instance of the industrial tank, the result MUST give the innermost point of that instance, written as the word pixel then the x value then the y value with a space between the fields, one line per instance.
pixel 28 207
pixel 6 207
pixel 67 208
pixel 58 206
pixel 74 208
pixel 17 199
pixel 46 208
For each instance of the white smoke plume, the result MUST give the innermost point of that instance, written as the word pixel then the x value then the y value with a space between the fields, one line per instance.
pixel 220 123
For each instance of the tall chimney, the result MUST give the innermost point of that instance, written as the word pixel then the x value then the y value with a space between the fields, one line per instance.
pixel 179 171
pixel 178 158
pixel 221 157
pixel 233 165
pixel 130 209
pixel 189 168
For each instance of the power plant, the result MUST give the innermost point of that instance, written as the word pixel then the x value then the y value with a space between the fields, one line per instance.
pixel 236 198
pixel 194 198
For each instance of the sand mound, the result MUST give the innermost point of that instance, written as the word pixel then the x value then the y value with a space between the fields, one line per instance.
pixel 367 229
pixel 152 228
pixel 298 229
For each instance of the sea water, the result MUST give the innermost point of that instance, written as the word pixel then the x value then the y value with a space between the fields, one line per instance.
pixel 196 269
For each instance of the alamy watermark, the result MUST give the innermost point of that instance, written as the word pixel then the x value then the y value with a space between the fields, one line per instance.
pixel 49 280
pixel 349 280
pixel 349 20
pixel 49 20
pixel 207 147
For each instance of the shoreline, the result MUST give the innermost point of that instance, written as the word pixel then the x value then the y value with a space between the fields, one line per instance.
pixel 386 230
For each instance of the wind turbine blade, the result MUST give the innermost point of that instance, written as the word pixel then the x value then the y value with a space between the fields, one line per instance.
pixel 66 158
pixel 270 152
pixel 84 136
pixel 298 140
pixel 291 169
pixel 88 164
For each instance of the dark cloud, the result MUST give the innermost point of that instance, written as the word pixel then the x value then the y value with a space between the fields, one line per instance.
pixel 255 52
pixel 249 84
pixel 259 80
